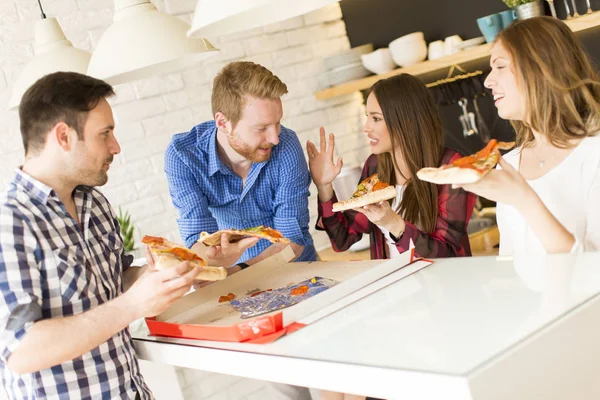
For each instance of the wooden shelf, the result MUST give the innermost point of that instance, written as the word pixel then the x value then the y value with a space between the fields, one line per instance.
pixel 584 22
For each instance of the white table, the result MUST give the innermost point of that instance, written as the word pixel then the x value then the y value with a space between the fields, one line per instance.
pixel 463 328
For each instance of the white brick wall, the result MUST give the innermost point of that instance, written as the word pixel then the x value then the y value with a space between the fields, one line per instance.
pixel 150 111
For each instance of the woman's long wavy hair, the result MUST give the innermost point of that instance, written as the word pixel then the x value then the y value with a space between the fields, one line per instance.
pixel 561 86
pixel 415 128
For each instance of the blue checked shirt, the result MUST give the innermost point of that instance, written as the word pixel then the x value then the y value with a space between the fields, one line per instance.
pixel 210 196
pixel 50 268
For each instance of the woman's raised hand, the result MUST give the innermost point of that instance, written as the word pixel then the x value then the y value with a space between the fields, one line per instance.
pixel 320 162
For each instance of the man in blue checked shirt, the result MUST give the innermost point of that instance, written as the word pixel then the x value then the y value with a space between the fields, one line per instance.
pixel 243 169
pixel 67 292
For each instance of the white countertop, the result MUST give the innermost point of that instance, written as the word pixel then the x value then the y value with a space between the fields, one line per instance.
pixel 450 318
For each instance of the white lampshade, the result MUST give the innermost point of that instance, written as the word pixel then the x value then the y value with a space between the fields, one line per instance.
pixel 53 53
pixel 143 42
pixel 222 17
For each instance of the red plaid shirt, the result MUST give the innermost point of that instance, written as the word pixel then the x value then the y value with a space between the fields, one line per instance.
pixel 449 239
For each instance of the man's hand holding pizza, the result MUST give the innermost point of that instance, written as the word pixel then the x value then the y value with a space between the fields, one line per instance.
pixel 225 255
pixel 155 290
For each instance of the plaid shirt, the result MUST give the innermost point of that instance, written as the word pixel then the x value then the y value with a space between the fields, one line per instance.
pixel 449 239
pixel 209 196
pixel 50 268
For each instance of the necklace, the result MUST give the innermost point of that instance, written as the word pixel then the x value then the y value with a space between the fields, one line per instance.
pixel 542 162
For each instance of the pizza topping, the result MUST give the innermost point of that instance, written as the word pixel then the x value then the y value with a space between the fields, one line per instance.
pixel 185 254
pixel 485 159
pixel 487 150
pixel 300 290
pixel 265 230
pixel 257 229
pixel 380 186
pixel 272 233
pixel 229 297
pixel 262 291
pixel 152 240
pixel 360 191
pixel 371 184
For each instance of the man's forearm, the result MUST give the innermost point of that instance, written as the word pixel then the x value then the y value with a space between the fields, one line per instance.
pixel 53 341
pixel 131 275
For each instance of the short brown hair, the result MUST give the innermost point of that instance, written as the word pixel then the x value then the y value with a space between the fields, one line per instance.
pixel 59 97
pixel 243 78
pixel 561 85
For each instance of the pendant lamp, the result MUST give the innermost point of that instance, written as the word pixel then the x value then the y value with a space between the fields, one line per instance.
pixel 53 53
pixel 143 42
pixel 222 17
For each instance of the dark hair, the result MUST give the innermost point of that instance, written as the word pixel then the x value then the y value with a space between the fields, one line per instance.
pixel 59 97
pixel 415 126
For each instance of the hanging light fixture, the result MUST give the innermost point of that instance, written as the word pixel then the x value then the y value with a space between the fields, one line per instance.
pixel 53 53
pixel 222 17
pixel 143 42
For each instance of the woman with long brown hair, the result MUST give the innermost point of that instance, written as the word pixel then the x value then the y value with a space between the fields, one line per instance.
pixel 405 134
pixel 548 188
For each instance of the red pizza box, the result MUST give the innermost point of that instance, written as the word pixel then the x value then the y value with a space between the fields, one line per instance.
pixel 199 315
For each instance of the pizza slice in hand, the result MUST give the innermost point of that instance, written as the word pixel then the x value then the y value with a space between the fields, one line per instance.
pixel 467 169
pixel 168 254
pixel 235 235
pixel 369 191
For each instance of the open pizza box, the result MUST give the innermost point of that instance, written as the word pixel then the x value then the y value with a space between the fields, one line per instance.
pixel 200 315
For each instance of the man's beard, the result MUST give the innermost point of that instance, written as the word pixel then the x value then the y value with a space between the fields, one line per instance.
pixel 93 178
pixel 246 151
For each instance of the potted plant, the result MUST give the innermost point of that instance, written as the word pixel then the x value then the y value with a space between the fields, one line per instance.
pixel 127 229
pixel 526 8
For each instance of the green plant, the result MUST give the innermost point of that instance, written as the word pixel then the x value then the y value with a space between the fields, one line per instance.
pixel 514 3
pixel 126 230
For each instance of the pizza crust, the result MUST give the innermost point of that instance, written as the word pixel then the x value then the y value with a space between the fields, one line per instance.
pixel 369 198
pixel 163 260
pixel 455 175
pixel 167 260
pixel 214 239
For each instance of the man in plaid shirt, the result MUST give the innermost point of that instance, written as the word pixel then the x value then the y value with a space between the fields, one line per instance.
pixel 67 292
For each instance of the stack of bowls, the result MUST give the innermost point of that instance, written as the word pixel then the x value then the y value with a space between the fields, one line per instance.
pixel 346 66
pixel 409 49
pixel 379 62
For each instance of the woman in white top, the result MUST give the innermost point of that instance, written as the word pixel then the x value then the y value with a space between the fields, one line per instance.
pixel 548 188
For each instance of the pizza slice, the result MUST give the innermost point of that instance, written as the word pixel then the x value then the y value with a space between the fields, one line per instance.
pixel 168 254
pixel 467 169
pixel 369 191
pixel 235 235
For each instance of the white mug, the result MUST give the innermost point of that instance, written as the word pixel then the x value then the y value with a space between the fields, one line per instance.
pixel 450 44
pixel 436 50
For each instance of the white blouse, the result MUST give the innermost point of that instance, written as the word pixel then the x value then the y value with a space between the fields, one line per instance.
pixel 571 191
pixel 393 250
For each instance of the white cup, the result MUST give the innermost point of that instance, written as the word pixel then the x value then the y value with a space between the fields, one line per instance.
pixel 450 44
pixel 436 50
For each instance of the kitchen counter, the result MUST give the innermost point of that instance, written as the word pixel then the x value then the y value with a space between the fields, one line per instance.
pixel 463 328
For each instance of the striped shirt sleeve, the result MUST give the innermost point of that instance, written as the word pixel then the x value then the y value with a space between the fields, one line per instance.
pixel 20 282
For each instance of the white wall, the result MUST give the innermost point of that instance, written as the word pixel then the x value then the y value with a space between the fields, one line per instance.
pixel 148 112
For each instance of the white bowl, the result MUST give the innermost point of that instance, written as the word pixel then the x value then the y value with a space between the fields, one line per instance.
pixel 409 49
pixel 379 62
